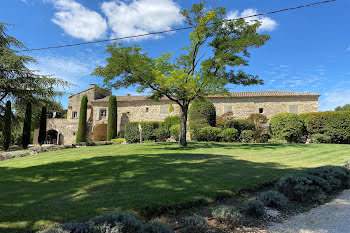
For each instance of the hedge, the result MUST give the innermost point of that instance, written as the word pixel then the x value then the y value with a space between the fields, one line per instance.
pixel 112 118
pixel 132 134
pixel 175 131
pixel 229 135
pixel 288 126
pixel 82 128
pixel 239 124
pixel 209 134
pixel 336 125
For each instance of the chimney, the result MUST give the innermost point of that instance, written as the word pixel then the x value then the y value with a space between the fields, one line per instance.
pixel 92 85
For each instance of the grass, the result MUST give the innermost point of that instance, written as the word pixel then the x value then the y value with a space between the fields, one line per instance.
pixel 42 190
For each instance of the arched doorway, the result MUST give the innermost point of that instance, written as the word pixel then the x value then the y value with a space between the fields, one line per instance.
pixel 52 136
pixel 99 133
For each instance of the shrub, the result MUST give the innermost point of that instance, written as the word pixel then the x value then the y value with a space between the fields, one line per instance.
pixel 42 126
pixel 27 125
pixel 287 126
pixel 125 222
pixel 229 134
pixel 196 224
pixel 161 134
pixel 239 124
pixel 112 118
pixel 256 119
pixel 82 127
pixel 334 124
pixel 175 131
pixel 226 214
pixel 209 134
pixel 117 140
pixel 321 138
pixel 247 135
pixel 78 227
pixel 221 121
pixel 273 199
pixel 255 208
pixel 170 121
pixel 201 114
pixel 157 227
pixel 7 126
pixel 132 134
pixel 265 138
pixel 277 141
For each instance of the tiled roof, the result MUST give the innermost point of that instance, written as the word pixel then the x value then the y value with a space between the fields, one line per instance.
pixel 245 94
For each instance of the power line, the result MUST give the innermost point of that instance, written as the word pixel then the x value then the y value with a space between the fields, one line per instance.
pixel 176 29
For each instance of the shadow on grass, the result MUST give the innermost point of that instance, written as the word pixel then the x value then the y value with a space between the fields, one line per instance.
pixel 77 190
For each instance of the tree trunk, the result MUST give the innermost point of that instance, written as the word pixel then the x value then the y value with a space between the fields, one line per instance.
pixel 183 124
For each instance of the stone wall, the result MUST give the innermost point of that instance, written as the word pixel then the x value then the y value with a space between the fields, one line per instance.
pixel 65 128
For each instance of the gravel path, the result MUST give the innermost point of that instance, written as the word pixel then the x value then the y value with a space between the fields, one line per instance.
pixel 333 217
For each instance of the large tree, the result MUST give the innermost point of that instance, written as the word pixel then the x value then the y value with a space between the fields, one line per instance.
pixel 204 68
pixel 18 83
pixel 112 118
pixel 27 125
pixel 82 128
pixel 346 107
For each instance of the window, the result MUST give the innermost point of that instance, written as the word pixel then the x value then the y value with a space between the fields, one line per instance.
pixel 147 109
pixel 261 110
pixel 74 115
pixel 164 109
pixel 293 109
pixel 227 109
pixel 128 114
pixel 103 114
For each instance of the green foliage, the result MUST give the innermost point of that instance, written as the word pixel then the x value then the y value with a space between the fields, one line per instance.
pixel 170 108
pixel 321 138
pixel 334 124
pixel 247 136
pixel 157 227
pixel 255 208
pixel 195 127
pixel 209 134
pixel 112 118
pixel 203 109
pixel 175 131
pixel 239 124
pixel 7 126
pixel 196 224
pixel 117 140
pixel 189 76
pixel 161 134
pixel 346 107
pixel 132 134
pixel 277 141
pixel 82 128
pixel 170 121
pixel 27 126
pixel 273 199
pixel 42 126
pixel 256 119
pixel 229 134
pixel 265 138
pixel 226 214
pixel 287 126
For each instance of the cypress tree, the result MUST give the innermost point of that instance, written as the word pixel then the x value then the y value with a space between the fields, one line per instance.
pixel 112 118
pixel 42 128
pixel 7 126
pixel 27 126
pixel 82 128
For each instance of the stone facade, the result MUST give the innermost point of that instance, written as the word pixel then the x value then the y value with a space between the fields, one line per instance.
pixel 140 108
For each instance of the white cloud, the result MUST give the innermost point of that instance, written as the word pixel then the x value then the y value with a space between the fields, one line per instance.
pixel 334 98
pixel 78 21
pixel 348 48
pixel 267 24
pixel 141 17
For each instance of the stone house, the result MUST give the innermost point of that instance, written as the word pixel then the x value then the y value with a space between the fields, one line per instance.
pixel 140 108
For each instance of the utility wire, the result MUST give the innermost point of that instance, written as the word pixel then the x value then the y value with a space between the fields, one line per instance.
pixel 176 29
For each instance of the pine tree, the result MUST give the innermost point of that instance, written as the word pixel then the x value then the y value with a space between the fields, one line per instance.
pixel 82 128
pixel 42 128
pixel 112 118
pixel 27 126
pixel 7 126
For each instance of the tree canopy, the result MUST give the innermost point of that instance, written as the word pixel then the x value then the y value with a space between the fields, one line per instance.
pixel 205 66
pixel 346 107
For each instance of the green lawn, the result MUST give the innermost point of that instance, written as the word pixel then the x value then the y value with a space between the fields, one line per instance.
pixel 73 185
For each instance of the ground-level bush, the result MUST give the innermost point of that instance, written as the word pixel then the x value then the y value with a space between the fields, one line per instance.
pixel 255 208
pixel 264 138
pixel 226 214
pixel 239 124
pixel 132 134
pixel 247 136
pixel 203 109
pixel 157 227
pixel 334 124
pixel 120 140
pixel 287 126
pixel 170 121
pixel 161 134
pixel 175 131
pixel 210 134
pixel 273 199
pixel 195 127
pixel 321 138
pixel 196 224
pixel 229 135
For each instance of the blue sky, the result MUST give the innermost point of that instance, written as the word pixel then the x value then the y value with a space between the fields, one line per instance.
pixel 309 49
